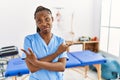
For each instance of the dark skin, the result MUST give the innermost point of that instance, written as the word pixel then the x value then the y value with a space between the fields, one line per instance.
pixel 44 22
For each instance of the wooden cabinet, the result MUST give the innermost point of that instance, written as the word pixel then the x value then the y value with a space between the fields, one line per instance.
pixel 91 45
pixel 87 45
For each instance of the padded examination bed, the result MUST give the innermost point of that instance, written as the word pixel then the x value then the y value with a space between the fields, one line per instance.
pixel 85 58
pixel 72 62
pixel 18 67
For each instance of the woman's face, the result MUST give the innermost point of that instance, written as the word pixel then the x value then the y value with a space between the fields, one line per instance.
pixel 44 21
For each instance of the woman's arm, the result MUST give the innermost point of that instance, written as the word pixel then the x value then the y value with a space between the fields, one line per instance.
pixel 34 64
pixel 31 58
pixel 31 67
pixel 62 48
pixel 53 66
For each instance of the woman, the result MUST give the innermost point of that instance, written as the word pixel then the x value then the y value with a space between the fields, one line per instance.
pixel 44 52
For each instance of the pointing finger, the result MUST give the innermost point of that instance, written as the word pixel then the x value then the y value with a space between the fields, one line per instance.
pixel 25 51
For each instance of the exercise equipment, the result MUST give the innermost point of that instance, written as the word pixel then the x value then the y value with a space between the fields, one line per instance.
pixel 6 53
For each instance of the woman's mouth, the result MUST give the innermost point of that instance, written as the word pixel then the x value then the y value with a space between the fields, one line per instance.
pixel 44 29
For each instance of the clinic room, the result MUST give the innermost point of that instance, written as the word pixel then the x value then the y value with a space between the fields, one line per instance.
pixel 59 40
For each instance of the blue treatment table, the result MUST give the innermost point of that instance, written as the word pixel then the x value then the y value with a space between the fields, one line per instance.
pixel 16 66
pixel 85 58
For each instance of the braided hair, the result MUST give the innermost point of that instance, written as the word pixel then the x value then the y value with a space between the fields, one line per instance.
pixel 41 8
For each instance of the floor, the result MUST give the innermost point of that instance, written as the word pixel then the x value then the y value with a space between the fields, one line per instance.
pixel 69 74
pixel 79 74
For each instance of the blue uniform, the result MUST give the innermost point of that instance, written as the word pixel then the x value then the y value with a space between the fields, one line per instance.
pixel 41 49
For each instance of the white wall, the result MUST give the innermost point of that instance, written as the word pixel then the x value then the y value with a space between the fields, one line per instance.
pixel 16 18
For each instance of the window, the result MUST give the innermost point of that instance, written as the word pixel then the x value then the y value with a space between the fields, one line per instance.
pixel 110 27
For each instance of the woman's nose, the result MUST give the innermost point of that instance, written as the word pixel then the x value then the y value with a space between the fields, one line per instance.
pixel 44 23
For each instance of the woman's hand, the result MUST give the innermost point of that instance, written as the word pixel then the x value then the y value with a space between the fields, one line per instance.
pixel 30 56
pixel 63 47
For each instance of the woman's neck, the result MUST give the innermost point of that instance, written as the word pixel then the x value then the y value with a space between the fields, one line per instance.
pixel 46 37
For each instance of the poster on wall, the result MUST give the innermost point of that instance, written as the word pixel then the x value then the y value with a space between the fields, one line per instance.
pixel 63 23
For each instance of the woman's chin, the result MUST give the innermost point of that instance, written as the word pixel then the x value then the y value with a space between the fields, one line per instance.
pixel 46 31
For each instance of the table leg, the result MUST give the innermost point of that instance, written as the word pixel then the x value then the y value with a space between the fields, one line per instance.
pixel 14 78
pixel 98 68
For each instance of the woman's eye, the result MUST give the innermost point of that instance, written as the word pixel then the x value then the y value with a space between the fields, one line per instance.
pixel 38 21
pixel 47 19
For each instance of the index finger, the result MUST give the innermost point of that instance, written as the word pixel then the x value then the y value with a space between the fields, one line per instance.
pixel 25 51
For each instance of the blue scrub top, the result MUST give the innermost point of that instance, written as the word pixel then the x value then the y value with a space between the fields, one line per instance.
pixel 41 49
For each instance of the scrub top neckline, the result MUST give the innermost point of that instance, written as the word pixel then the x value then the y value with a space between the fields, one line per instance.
pixel 44 41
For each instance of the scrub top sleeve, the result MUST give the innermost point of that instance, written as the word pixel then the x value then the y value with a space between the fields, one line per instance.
pixel 64 55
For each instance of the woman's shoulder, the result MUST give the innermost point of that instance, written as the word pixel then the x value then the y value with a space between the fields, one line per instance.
pixel 58 38
pixel 31 35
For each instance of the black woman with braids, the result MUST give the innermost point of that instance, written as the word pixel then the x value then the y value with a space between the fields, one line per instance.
pixel 45 52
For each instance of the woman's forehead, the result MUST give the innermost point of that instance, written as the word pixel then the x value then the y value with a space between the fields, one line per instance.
pixel 43 13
